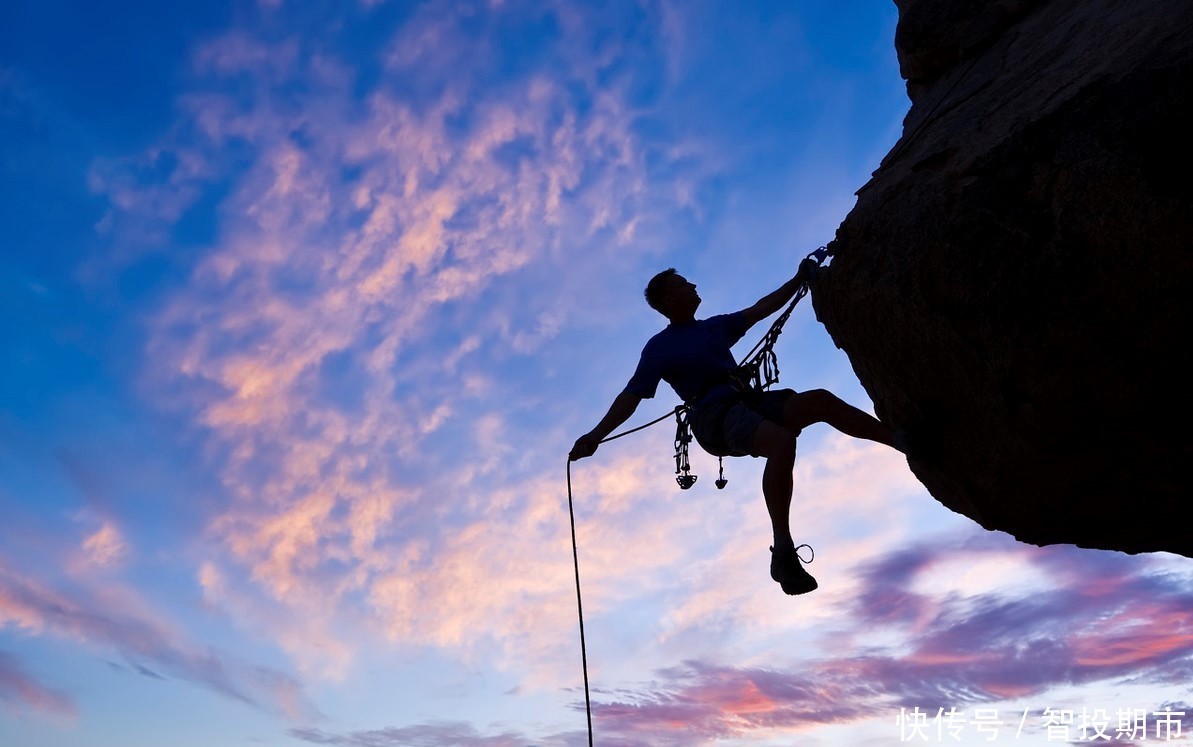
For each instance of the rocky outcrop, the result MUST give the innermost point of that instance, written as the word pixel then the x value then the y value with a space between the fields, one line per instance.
pixel 1015 284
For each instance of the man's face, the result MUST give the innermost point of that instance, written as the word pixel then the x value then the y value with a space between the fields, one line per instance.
pixel 679 294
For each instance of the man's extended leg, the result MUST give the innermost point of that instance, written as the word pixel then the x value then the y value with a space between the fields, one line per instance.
pixel 822 406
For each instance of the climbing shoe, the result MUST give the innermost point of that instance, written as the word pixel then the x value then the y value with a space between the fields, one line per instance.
pixel 916 443
pixel 786 567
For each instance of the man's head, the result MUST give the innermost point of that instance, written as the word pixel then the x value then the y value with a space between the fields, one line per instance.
pixel 670 294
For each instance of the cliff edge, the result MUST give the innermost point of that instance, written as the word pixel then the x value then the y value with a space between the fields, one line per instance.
pixel 1015 283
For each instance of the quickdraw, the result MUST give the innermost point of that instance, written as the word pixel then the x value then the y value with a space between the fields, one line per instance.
pixel 683 440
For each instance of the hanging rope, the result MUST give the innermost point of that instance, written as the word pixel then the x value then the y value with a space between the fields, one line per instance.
pixel 579 606
pixel 576 559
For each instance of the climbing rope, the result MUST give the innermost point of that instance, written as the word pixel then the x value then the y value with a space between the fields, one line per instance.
pixel 759 372
pixel 576 558
pixel 579 606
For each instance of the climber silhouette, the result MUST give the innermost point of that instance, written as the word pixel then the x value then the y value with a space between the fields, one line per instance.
pixel 694 357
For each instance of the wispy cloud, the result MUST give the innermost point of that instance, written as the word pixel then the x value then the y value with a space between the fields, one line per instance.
pixel 20 690
pixel 105 547
pixel 423 735
pixel 328 342
pixel 698 703
pixel 35 609
pixel 1109 618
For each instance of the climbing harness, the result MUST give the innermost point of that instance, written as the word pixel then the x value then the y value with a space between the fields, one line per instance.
pixel 576 558
pixel 757 374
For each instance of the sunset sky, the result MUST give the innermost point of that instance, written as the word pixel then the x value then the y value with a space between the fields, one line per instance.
pixel 303 305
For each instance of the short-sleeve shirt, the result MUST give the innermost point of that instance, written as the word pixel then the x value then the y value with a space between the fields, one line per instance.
pixel 693 357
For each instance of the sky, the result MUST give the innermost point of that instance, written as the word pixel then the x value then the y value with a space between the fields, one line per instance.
pixel 302 306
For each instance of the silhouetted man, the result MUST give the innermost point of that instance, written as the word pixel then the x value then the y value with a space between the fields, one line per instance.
pixel 694 357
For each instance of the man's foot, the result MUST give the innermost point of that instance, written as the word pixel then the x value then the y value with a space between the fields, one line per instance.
pixel 912 443
pixel 786 567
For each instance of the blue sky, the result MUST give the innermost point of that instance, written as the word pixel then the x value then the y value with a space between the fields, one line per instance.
pixel 303 306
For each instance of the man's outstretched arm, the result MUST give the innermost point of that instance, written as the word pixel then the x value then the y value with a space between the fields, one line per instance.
pixel 620 411
pixel 772 302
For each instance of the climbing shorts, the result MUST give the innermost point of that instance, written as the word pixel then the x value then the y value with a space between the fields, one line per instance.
pixel 726 426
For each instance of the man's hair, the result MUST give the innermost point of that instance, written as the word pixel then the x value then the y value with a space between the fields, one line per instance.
pixel 654 289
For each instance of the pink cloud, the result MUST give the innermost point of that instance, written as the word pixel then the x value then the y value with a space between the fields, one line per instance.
pixel 943 650
pixel 698 703
pixel 239 52
pixel 439 734
pixel 105 547
pixel 1141 635
pixel 312 266
pixel 40 610
pixel 21 691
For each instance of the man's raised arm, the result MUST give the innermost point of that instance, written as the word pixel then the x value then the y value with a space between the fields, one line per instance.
pixel 772 302
pixel 620 411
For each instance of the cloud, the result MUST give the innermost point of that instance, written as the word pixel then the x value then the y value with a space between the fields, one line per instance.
pixel 21 691
pixel 331 344
pixel 438 734
pixel 1109 618
pixel 148 647
pixel 307 636
pixel 698 702
pixel 237 52
pixel 105 546
pixel 500 586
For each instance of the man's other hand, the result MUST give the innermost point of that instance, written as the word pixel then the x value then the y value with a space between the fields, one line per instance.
pixel 585 446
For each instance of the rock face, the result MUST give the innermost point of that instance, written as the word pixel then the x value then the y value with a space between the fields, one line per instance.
pixel 1015 284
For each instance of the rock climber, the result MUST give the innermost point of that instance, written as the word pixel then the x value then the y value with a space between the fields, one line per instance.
pixel 693 356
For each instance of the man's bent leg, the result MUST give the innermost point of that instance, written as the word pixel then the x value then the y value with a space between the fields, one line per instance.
pixel 822 406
